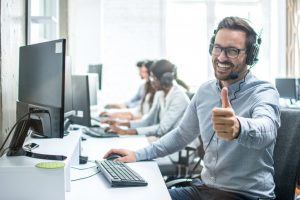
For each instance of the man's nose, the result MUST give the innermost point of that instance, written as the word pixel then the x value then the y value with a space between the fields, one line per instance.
pixel 223 56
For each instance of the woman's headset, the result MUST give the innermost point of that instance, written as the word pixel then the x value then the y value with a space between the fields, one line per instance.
pixel 166 79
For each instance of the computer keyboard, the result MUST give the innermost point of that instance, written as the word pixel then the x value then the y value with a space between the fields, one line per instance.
pixel 98 132
pixel 119 174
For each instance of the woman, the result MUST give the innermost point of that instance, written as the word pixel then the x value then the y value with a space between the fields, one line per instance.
pixel 169 104
pixel 146 99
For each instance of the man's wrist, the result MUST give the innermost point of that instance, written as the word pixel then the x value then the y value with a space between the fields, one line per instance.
pixel 237 134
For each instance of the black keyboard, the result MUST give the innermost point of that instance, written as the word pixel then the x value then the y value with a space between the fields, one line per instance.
pixel 98 132
pixel 119 174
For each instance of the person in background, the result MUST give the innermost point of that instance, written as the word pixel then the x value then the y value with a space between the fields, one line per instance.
pixel 137 98
pixel 169 104
pixel 237 117
pixel 145 104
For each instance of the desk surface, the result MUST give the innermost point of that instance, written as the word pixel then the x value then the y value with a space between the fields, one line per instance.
pixel 96 187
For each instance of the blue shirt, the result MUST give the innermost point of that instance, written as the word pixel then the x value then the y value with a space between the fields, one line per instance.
pixel 243 165
pixel 137 98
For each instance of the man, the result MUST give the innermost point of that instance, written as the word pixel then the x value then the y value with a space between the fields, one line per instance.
pixel 238 130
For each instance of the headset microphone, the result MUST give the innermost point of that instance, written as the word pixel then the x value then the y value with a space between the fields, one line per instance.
pixel 233 75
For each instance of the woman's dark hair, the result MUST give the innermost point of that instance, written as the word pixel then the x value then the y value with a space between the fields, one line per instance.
pixel 166 72
pixel 160 67
pixel 140 63
pixel 148 87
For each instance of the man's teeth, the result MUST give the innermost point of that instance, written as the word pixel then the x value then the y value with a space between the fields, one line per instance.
pixel 223 65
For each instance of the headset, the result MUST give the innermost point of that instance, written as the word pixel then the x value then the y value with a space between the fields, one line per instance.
pixel 252 52
pixel 167 78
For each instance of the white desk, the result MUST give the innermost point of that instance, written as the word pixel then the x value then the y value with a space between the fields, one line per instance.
pixel 97 187
pixel 21 180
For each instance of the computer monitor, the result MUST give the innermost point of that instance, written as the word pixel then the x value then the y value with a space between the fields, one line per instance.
pixel 97 68
pixel 41 92
pixel 287 88
pixel 81 100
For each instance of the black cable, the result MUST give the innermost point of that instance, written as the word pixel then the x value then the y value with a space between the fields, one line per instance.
pixel 78 179
pixel 234 98
pixel 8 135
pixel 23 126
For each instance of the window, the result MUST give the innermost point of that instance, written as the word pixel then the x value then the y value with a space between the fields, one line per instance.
pixel 190 25
pixel 42 21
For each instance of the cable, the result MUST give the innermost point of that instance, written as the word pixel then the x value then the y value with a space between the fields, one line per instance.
pixel 83 168
pixel 8 135
pixel 78 179
pixel 23 126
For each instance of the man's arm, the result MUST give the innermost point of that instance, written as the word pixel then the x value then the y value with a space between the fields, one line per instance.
pixel 256 132
pixel 175 140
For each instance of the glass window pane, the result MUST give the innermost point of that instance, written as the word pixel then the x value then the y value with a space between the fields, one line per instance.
pixel 186 41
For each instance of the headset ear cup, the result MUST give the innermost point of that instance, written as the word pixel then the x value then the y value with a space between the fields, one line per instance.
pixel 166 79
pixel 211 44
pixel 252 55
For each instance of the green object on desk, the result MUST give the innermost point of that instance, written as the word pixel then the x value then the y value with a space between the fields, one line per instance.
pixel 50 165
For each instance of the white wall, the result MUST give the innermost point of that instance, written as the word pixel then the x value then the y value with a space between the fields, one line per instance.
pixel 118 34
pixel 12 37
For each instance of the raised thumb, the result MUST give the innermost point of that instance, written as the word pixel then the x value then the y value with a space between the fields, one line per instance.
pixel 225 99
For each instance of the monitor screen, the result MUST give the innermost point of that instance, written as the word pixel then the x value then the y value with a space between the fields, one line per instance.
pixel 287 88
pixel 97 68
pixel 42 84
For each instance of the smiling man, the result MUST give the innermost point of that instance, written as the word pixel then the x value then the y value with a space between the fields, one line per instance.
pixel 236 115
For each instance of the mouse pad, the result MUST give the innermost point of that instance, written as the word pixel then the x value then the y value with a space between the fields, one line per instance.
pixel 50 165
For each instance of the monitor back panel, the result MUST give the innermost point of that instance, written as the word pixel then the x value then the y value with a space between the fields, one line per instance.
pixel 81 100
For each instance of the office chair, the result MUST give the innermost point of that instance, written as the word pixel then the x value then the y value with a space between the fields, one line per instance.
pixel 287 154
pixel 286 157
pixel 183 164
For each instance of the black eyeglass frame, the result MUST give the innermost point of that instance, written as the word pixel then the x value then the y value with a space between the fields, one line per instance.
pixel 226 51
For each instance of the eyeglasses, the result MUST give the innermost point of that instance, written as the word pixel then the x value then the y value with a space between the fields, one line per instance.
pixel 230 52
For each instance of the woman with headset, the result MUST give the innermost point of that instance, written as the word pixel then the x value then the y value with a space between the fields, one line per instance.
pixel 146 101
pixel 170 102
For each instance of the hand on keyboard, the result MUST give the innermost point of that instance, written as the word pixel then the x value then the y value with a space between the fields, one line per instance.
pixel 121 131
pixel 127 155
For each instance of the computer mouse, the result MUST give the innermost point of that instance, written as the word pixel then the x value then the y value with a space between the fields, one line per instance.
pixel 113 156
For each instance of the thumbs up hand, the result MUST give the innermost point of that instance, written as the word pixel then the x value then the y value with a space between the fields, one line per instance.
pixel 224 121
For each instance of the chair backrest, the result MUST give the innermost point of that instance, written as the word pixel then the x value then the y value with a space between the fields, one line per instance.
pixel 287 154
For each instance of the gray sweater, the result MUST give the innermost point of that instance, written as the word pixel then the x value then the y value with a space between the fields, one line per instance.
pixel 164 114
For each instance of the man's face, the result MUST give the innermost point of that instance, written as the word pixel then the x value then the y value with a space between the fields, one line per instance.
pixel 143 72
pixel 229 54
